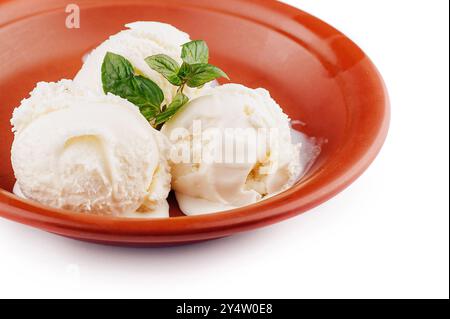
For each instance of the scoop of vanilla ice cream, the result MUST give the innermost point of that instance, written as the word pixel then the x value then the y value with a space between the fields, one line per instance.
pixel 140 40
pixel 85 152
pixel 252 135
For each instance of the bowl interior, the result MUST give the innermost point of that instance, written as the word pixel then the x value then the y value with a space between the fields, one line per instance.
pixel 315 73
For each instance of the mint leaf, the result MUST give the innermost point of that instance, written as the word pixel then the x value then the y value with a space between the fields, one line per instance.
pixel 184 71
pixel 200 74
pixel 115 68
pixel 166 66
pixel 148 91
pixel 195 52
pixel 148 112
pixel 178 101
pixel 119 79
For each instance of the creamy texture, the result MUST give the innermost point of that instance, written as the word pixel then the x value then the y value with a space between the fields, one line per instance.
pixel 140 40
pixel 77 150
pixel 206 186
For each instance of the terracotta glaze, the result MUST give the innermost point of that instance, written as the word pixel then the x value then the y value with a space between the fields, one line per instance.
pixel 313 71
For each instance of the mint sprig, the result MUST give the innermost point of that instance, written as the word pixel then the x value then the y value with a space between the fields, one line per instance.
pixel 195 70
pixel 120 78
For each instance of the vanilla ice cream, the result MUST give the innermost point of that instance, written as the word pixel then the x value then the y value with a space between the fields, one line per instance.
pixel 139 41
pixel 78 150
pixel 258 167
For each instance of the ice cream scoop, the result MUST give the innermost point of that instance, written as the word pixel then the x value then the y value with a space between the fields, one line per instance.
pixel 139 41
pixel 239 150
pixel 87 152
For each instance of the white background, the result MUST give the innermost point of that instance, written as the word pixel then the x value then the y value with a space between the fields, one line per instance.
pixel 385 236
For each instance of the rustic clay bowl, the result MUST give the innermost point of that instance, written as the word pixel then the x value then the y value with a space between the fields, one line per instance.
pixel 316 73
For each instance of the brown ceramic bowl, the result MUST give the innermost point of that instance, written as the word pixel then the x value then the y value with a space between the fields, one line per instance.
pixel 316 73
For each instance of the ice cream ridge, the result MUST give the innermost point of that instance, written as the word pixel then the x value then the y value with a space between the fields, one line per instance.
pixel 144 116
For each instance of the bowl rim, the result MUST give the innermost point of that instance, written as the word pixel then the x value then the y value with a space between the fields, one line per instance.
pixel 180 229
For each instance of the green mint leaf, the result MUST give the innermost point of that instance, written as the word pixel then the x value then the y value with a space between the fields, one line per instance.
pixel 166 66
pixel 115 68
pixel 200 74
pixel 177 103
pixel 119 79
pixel 195 52
pixel 148 112
pixel 149 91
pixel 184 71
